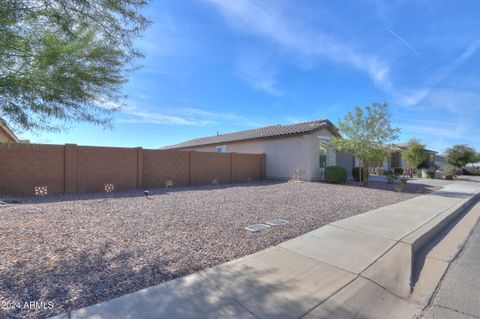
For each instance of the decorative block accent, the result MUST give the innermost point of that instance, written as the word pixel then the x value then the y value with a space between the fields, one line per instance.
pixel 256 227
pixel 109 188
pixel 41 190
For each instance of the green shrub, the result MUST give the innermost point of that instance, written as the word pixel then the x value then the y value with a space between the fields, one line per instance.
pixel 431 174
pixel 379 171
pixel 335 174
pixel 449 171
pixel 398 171
pixel 356 173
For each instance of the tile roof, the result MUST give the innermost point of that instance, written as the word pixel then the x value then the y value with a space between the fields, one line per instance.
pixel 403 146
pixel 274 131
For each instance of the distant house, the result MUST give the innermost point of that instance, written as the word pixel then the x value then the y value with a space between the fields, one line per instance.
pixel 440 160
pixel 299 147
pixel 396 159
pixel 6 135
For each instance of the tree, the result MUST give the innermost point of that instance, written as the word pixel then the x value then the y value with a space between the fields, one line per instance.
pixel 367 134
pixel 65 61
pixel 415 154
pixel 460 155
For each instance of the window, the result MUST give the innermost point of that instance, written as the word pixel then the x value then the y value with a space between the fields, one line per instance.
pixel 322 158
pixel 221 149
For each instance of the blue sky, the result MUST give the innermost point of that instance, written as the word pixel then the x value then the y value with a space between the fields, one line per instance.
pixel 227 65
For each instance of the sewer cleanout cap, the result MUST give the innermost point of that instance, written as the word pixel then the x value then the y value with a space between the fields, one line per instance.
pixel 256 227
pixel 259 227
pixel 277 222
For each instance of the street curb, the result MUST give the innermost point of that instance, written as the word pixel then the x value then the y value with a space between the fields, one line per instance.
pixel 395 269
pixel 427 232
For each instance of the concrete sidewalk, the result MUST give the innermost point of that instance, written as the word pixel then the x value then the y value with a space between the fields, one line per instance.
pixel 359 267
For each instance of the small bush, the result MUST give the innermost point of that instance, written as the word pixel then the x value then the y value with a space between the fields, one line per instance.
pixel 431 174
pixel 398 171
pixel 335 174
pixel 379 171
pixel 356 173
pixel 449 171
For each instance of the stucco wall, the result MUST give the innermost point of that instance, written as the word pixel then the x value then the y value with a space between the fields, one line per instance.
pixel 4 137
pixel 314 157
pixel 284 155
pixel 345 160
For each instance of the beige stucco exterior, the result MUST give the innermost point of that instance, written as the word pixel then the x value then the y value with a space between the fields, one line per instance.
pixel 4 138
pixel 6 135
pixel 285 154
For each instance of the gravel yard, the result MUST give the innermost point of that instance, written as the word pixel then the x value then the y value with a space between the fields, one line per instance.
pixel 78 250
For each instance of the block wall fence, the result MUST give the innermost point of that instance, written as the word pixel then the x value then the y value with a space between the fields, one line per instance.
pixel 36 169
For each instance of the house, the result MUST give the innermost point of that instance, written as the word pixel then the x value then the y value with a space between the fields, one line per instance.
pixel 301 147
pixel 6 135
pixel 396 159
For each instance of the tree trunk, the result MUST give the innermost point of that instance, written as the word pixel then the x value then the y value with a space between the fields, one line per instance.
pixel 365 180
pixel 362 176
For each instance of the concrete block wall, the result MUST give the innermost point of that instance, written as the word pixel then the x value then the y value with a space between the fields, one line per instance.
pixel 207 167
pixel 98 166
pixel 245 167
pixel 27 168
pixel 161 167
pixel 23 167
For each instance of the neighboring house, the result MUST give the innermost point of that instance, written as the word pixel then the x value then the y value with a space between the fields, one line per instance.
pixel 440 160
pixel 6 135
pixel 302 146
pixel 396 160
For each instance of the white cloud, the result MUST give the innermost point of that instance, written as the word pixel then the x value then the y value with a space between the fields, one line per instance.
pixel 152 117
pixel 415 96
pixel 438 129
pixel 182 116
pixel 217 117
pixel 445 118
pixel 258 70
pixel 279 24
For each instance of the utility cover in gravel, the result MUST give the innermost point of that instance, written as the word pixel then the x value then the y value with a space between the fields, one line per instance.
pixel 78 250
pixel 277 222
pixel 256 227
